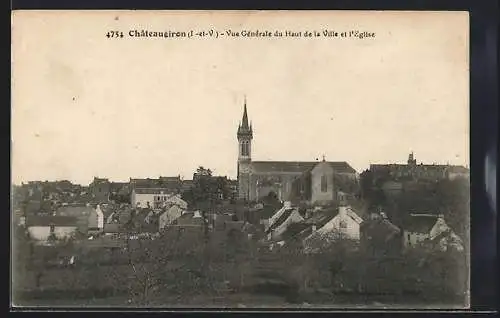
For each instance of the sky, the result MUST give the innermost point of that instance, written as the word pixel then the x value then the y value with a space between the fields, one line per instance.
pixel 86 106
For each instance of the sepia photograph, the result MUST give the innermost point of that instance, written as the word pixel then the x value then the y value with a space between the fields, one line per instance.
pixel 240 159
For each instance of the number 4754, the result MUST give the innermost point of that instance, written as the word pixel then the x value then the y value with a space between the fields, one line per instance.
pixel 114 34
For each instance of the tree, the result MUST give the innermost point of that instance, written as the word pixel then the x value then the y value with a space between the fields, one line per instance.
pixel 202 172
pixel 207 190
pixel 452 199
pixel 153 264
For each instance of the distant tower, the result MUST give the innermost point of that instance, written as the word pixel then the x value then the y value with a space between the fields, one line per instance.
pixel 245 136
pixel 411 160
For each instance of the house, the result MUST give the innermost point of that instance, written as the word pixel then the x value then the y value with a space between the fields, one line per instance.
pixel 413 171
pixel 186 185
pixel 96 219
pixel 345 225
pixel 297 232
pixel 447 239
pixel 108 209
pixel 175 200
pixel 153 198
pixel 41 228
pixel 379 235
pixel 174 184
pixel 280 222
pixel 140 222
pixel 171 214
pixel 169 184
pixel 270 214
pixel 429 230
pixel 192 221
pixel 80 212
pixel 100 189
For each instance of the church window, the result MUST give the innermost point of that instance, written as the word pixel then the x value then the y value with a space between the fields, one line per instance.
pixel 343 224
pixel 324 184
pixel 245 148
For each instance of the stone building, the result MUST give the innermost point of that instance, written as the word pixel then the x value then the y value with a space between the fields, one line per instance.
pixel 100 189
pixel 314 181
pixel 413 171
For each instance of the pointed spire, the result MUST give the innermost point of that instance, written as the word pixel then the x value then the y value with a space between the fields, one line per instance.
pixel 244 123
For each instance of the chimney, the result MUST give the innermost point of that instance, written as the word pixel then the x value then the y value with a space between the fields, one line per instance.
pixel 314 228
pixel 342 210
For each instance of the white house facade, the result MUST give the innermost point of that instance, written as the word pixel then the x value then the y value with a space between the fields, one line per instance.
pixel 96 219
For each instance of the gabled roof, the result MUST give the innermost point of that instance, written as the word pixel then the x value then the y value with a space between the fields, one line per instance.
pixel 295 229
pixel 420 223
pixel 380 229
pixel 298 166
pixel 266 212
pixel 56 220
pixel 353 215
pixel 283 217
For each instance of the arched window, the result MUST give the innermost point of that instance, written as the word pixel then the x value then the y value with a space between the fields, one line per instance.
pixel 324 184
pixel 245 148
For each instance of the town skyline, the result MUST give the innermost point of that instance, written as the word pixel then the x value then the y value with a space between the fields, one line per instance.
pixel 167 107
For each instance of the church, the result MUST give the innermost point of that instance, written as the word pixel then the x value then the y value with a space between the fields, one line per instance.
pixel 317 182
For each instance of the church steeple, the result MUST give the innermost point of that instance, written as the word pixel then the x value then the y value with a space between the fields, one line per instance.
pixel 245 136
pixel 244 122
pixel 244 128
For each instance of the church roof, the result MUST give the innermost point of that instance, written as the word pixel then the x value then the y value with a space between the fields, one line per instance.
pixel 298 166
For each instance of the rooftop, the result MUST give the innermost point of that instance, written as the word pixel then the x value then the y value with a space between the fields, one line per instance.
pixel 153 190
pixel 49 220
pixel 420 223
pixel 283 217
pixel 298 166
